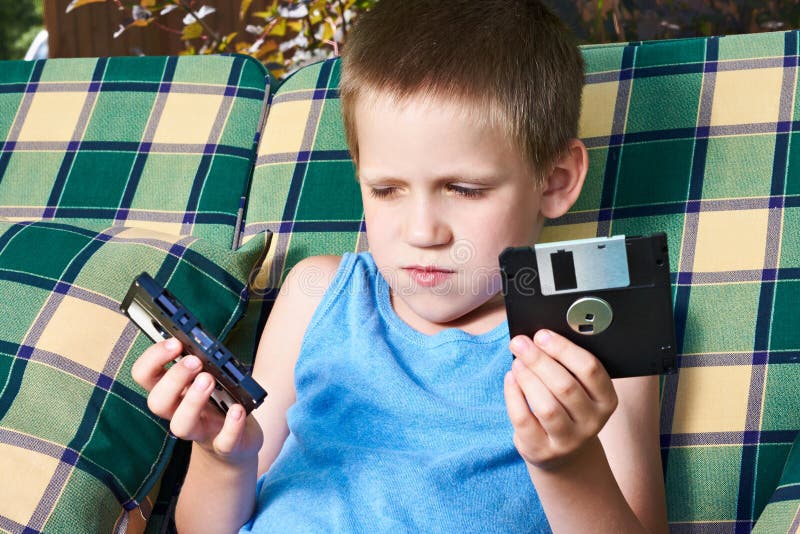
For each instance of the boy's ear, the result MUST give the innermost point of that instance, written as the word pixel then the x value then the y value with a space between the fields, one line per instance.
pixel 562 187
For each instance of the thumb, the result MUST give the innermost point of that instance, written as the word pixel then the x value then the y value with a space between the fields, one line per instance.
pixel 230 436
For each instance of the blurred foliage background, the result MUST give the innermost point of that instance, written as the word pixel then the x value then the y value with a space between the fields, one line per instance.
pixel 289 33
pixel 603 21
pixel 20 21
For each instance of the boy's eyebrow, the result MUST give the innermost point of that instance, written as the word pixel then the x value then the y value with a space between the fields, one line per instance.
pixel 476 179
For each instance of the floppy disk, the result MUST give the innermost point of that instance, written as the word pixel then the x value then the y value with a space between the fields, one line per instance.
pixel 610 295
pixel 161 316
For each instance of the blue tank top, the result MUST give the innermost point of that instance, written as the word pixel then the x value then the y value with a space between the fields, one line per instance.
pixel 394 430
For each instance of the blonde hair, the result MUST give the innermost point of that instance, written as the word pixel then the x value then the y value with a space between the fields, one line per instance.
pixel 512 62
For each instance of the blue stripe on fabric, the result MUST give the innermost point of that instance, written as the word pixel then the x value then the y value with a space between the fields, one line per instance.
pixel 669 134
pixel 697 68
pixel 746 498
pixel 61 226
pixel 724 439
pixel 11 88
pixel 201 175
pixel 325 226
pixel 179 253
pixel 211 269
pixel 32 280
pixel 155 87
pixel 235 74
pixel 786 493
pixel 134 146
pixel 141 87
pixel 134 398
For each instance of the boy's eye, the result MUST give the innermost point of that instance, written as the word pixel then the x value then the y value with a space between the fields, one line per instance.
pixel 469 192
pixel 381 192
pixel 389 191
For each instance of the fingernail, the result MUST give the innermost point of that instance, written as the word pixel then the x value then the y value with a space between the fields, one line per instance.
pixel 520 342
pixel 191 362
pixel 543 337
pixel 172 343
pixel 201 382
pixel 236 412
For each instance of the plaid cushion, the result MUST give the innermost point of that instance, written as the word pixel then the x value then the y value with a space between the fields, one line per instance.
pixel 692 137
pixel 164 143
pixel 76 437
pixel 782 513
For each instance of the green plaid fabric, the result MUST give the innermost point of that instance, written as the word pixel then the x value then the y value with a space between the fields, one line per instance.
pixel 79 448
pixel 782 513
pixel 165 143
pixel 691 137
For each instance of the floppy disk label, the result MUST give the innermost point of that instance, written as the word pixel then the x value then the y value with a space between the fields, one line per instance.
pixel 582 265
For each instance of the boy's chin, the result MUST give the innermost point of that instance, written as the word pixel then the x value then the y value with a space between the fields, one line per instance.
pixel 447 310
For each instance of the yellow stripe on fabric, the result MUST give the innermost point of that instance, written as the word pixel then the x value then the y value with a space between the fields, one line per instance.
pixel 567 231
pixel 285 128
pixel 67 329
pixel 747 96
pixel 711 399
pixel 52 117
pixel 187 119
pixel 597 119
pixel 31 473
pixel 731 240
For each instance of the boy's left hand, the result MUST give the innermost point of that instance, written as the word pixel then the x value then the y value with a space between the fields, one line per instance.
pixel 558 397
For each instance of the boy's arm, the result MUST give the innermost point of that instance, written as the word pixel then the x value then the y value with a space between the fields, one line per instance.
pixel 300 295
pixel 606 483
pixel 615 483
pixel 632 445
pixel 218 493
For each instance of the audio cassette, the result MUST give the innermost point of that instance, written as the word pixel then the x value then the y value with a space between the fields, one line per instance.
pixel 160 315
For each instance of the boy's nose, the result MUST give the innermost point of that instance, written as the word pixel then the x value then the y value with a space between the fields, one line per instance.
pixel 426 226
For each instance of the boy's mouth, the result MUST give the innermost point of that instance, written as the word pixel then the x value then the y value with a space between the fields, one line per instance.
pixel 426 275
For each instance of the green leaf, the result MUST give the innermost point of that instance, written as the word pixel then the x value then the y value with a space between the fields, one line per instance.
pixel 192 31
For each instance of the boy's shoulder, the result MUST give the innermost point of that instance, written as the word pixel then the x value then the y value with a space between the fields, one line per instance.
pixel 313 275
pixel 300 294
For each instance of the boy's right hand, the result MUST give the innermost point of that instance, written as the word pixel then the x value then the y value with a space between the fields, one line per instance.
pixel 181 395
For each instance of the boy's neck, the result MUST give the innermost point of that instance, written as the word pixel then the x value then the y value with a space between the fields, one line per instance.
pixel 479 321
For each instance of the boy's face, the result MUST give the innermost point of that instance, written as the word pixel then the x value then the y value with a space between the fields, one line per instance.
pixel 442 198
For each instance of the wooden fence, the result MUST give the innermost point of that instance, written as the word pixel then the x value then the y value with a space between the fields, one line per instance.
pixel 88 31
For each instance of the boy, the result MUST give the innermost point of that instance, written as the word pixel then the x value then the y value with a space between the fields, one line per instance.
pixel 394 404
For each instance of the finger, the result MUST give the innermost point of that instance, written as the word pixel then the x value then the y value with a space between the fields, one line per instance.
pixel 580 362
pixel 519 413
pixel 187 420
pixel 550 414
pixel 148 369
pixel 561 383
pixel 166 394
pixel 232 430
